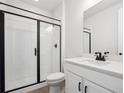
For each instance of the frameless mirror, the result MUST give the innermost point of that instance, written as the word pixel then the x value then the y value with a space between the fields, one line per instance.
pixel 103 28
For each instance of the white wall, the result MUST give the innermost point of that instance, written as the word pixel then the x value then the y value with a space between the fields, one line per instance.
pixel 73 27
pixel 57 13
pixel 90 3
pixel 120 30
pixel 104 27
pixel 63 35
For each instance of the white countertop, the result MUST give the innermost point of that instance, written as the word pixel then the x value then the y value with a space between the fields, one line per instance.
pixel 108 67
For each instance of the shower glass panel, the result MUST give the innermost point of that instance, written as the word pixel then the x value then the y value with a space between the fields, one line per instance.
pixel 49 49
pixel 20 61
pixel 56 49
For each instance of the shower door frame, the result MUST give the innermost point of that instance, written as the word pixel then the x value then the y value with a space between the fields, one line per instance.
pixel 2 49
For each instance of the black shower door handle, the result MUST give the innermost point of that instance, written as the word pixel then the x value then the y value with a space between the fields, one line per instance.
pixel 85 89
pixel 35 51
pixel 79 86
pixel 56 45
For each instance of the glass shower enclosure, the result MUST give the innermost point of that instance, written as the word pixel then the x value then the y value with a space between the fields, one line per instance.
pixel 31 51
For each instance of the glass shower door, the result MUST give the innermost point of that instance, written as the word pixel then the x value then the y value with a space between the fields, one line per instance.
pixel 49 49
pixel 20 58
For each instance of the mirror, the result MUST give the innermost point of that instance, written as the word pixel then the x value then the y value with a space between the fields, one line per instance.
pixel 103 28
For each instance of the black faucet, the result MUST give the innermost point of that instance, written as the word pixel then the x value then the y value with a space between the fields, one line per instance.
pixel 101 57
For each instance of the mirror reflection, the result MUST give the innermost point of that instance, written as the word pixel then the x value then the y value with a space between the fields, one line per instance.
pixel 103 28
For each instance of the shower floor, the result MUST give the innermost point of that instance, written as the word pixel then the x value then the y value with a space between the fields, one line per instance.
pixel 41 90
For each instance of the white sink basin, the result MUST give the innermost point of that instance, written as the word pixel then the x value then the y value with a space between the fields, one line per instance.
pixel 96 62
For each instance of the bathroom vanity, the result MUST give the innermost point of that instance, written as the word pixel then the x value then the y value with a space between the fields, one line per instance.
pixel 86 75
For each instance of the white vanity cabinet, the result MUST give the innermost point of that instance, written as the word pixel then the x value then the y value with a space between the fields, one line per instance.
pixel 85 77
pixel 77 84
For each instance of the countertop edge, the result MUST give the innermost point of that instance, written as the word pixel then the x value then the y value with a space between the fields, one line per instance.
pixel 110 73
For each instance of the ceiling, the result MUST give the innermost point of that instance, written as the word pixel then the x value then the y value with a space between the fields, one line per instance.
pixel 49 5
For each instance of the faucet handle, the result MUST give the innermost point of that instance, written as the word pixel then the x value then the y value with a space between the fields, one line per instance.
pixel 97 52
pixel 96 55
pixel 106 53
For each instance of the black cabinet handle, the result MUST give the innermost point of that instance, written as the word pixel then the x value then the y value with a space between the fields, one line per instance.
pixel 35 51
pixel 85 89
pixel 79 86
